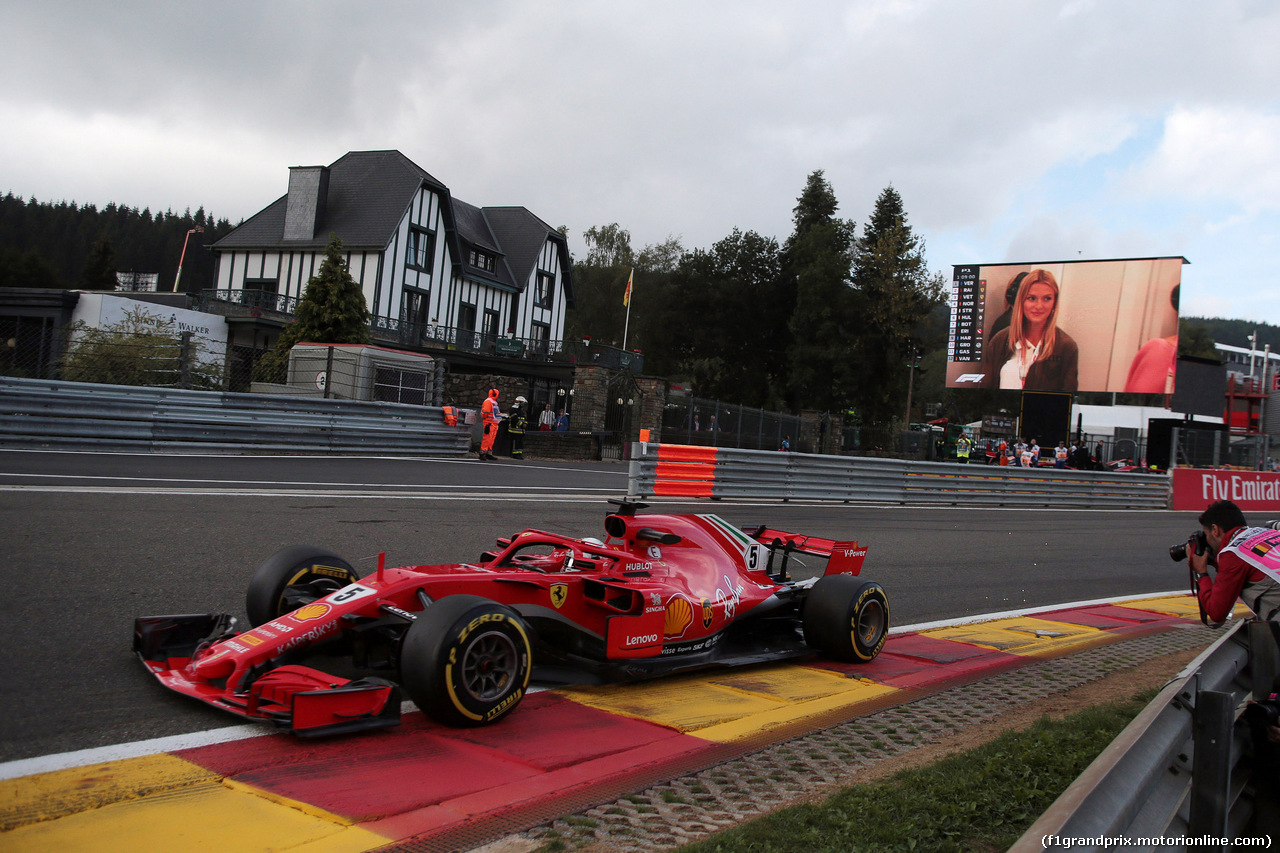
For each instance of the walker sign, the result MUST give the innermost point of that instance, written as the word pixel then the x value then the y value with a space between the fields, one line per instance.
pixel 1196 488
pixel 100 310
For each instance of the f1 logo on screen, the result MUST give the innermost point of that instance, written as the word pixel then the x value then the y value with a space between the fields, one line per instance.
pixel 975 378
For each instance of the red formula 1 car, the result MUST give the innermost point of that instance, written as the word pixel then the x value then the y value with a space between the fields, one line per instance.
pixel 664 593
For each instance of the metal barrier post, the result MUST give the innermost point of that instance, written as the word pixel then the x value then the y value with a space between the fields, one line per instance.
pixel 328 373
pixel 184 361
pixel 1264 658
pixel 1211 764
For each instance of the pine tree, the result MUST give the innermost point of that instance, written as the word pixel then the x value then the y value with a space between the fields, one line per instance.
pixel 819 256
pixel 100 269
pixel 332 311
pixel 893 294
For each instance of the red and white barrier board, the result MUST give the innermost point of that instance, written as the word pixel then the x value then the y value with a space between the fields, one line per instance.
pixel 1196 488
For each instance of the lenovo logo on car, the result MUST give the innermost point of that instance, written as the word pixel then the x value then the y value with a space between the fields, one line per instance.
pixel 975 378
pixel 642 640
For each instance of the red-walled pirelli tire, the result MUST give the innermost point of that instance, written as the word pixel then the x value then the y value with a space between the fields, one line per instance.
pixel 466 661
pixel 846 617
pixel 293 577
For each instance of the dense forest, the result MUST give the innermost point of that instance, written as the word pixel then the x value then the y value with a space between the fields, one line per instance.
pixel 1236 333
pixel 65 245
pixel 826 320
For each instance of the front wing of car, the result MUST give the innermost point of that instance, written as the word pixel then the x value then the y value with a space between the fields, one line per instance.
pixel 306 701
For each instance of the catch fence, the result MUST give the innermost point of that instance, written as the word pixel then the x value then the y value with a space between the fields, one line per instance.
pixel 714 423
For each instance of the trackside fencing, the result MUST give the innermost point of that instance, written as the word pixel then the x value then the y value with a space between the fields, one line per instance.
pixel 36 413
pixel 1185 767
pixel 666 470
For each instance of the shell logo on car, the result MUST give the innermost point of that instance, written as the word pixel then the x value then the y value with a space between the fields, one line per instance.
pixel 310 612
pixel 679 616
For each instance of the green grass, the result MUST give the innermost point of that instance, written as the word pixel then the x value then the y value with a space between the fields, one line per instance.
pixel 980 800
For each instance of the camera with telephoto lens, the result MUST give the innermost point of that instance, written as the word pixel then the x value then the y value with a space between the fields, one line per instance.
pixel 1178 552
pixel 1264 712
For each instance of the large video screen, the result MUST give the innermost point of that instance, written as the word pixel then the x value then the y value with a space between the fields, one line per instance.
pixel 1066 326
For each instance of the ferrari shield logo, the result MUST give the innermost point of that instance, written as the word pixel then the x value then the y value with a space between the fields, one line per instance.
pixel 559 592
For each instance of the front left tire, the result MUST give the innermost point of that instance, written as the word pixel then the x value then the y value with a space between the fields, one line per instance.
pixel 294 577
pixel 466 661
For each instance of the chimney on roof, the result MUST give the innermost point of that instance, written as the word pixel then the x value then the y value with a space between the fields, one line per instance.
pixel 304 210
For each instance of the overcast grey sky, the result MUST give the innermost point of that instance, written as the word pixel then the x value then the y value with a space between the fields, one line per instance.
pixel 1014 131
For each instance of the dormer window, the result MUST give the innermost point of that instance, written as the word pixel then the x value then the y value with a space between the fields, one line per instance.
pixel 483 260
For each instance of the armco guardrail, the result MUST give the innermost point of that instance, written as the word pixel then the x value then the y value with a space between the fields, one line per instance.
pixel 1181 769
pixel 710 472
pixel 78 415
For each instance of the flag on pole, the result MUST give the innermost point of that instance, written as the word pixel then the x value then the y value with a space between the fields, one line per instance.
pixel 626 301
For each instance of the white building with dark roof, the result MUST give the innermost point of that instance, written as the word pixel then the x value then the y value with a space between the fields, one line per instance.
pixel 435 271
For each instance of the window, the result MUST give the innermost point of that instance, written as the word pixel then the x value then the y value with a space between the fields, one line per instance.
pixel 482 260
pixel 393 385
pixel 541 343
pixel 491 324
pixel 262 285
pixel 413 314
pixel 545 287
pixel 467 318
pixel 421 249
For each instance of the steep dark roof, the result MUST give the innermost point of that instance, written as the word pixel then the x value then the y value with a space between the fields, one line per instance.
pixel 522 236
pixel 368 194
pixel 473 230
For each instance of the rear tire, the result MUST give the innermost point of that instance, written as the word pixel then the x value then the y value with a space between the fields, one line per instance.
pixel 846 618
pixel 466 661
pixel 294 577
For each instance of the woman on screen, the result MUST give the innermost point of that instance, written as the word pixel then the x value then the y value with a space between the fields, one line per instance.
pixel 1032 354
pixel 1156 364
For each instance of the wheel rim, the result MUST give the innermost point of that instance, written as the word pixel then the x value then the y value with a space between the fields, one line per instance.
pixel 871 622
pixel 489 666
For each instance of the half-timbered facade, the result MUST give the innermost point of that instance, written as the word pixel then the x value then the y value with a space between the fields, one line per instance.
pixel 435 271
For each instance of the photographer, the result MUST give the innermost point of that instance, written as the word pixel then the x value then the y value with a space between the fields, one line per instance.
pixel 1238 575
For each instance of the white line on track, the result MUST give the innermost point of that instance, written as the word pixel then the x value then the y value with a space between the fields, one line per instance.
pixel 292 484
pixel 605 469
pixel 574 497
pixel 1030 611
pixel 153 746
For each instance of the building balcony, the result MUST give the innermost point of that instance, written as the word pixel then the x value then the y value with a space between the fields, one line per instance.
pixel 247 304
pixel 430 337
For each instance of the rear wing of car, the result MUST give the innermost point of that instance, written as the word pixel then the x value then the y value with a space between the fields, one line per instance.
pixel 843 558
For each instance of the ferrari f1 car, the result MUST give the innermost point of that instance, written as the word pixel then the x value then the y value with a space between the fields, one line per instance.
pixel 662 594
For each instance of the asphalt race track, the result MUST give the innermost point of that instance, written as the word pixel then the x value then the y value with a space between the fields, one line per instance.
pixel 91 541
